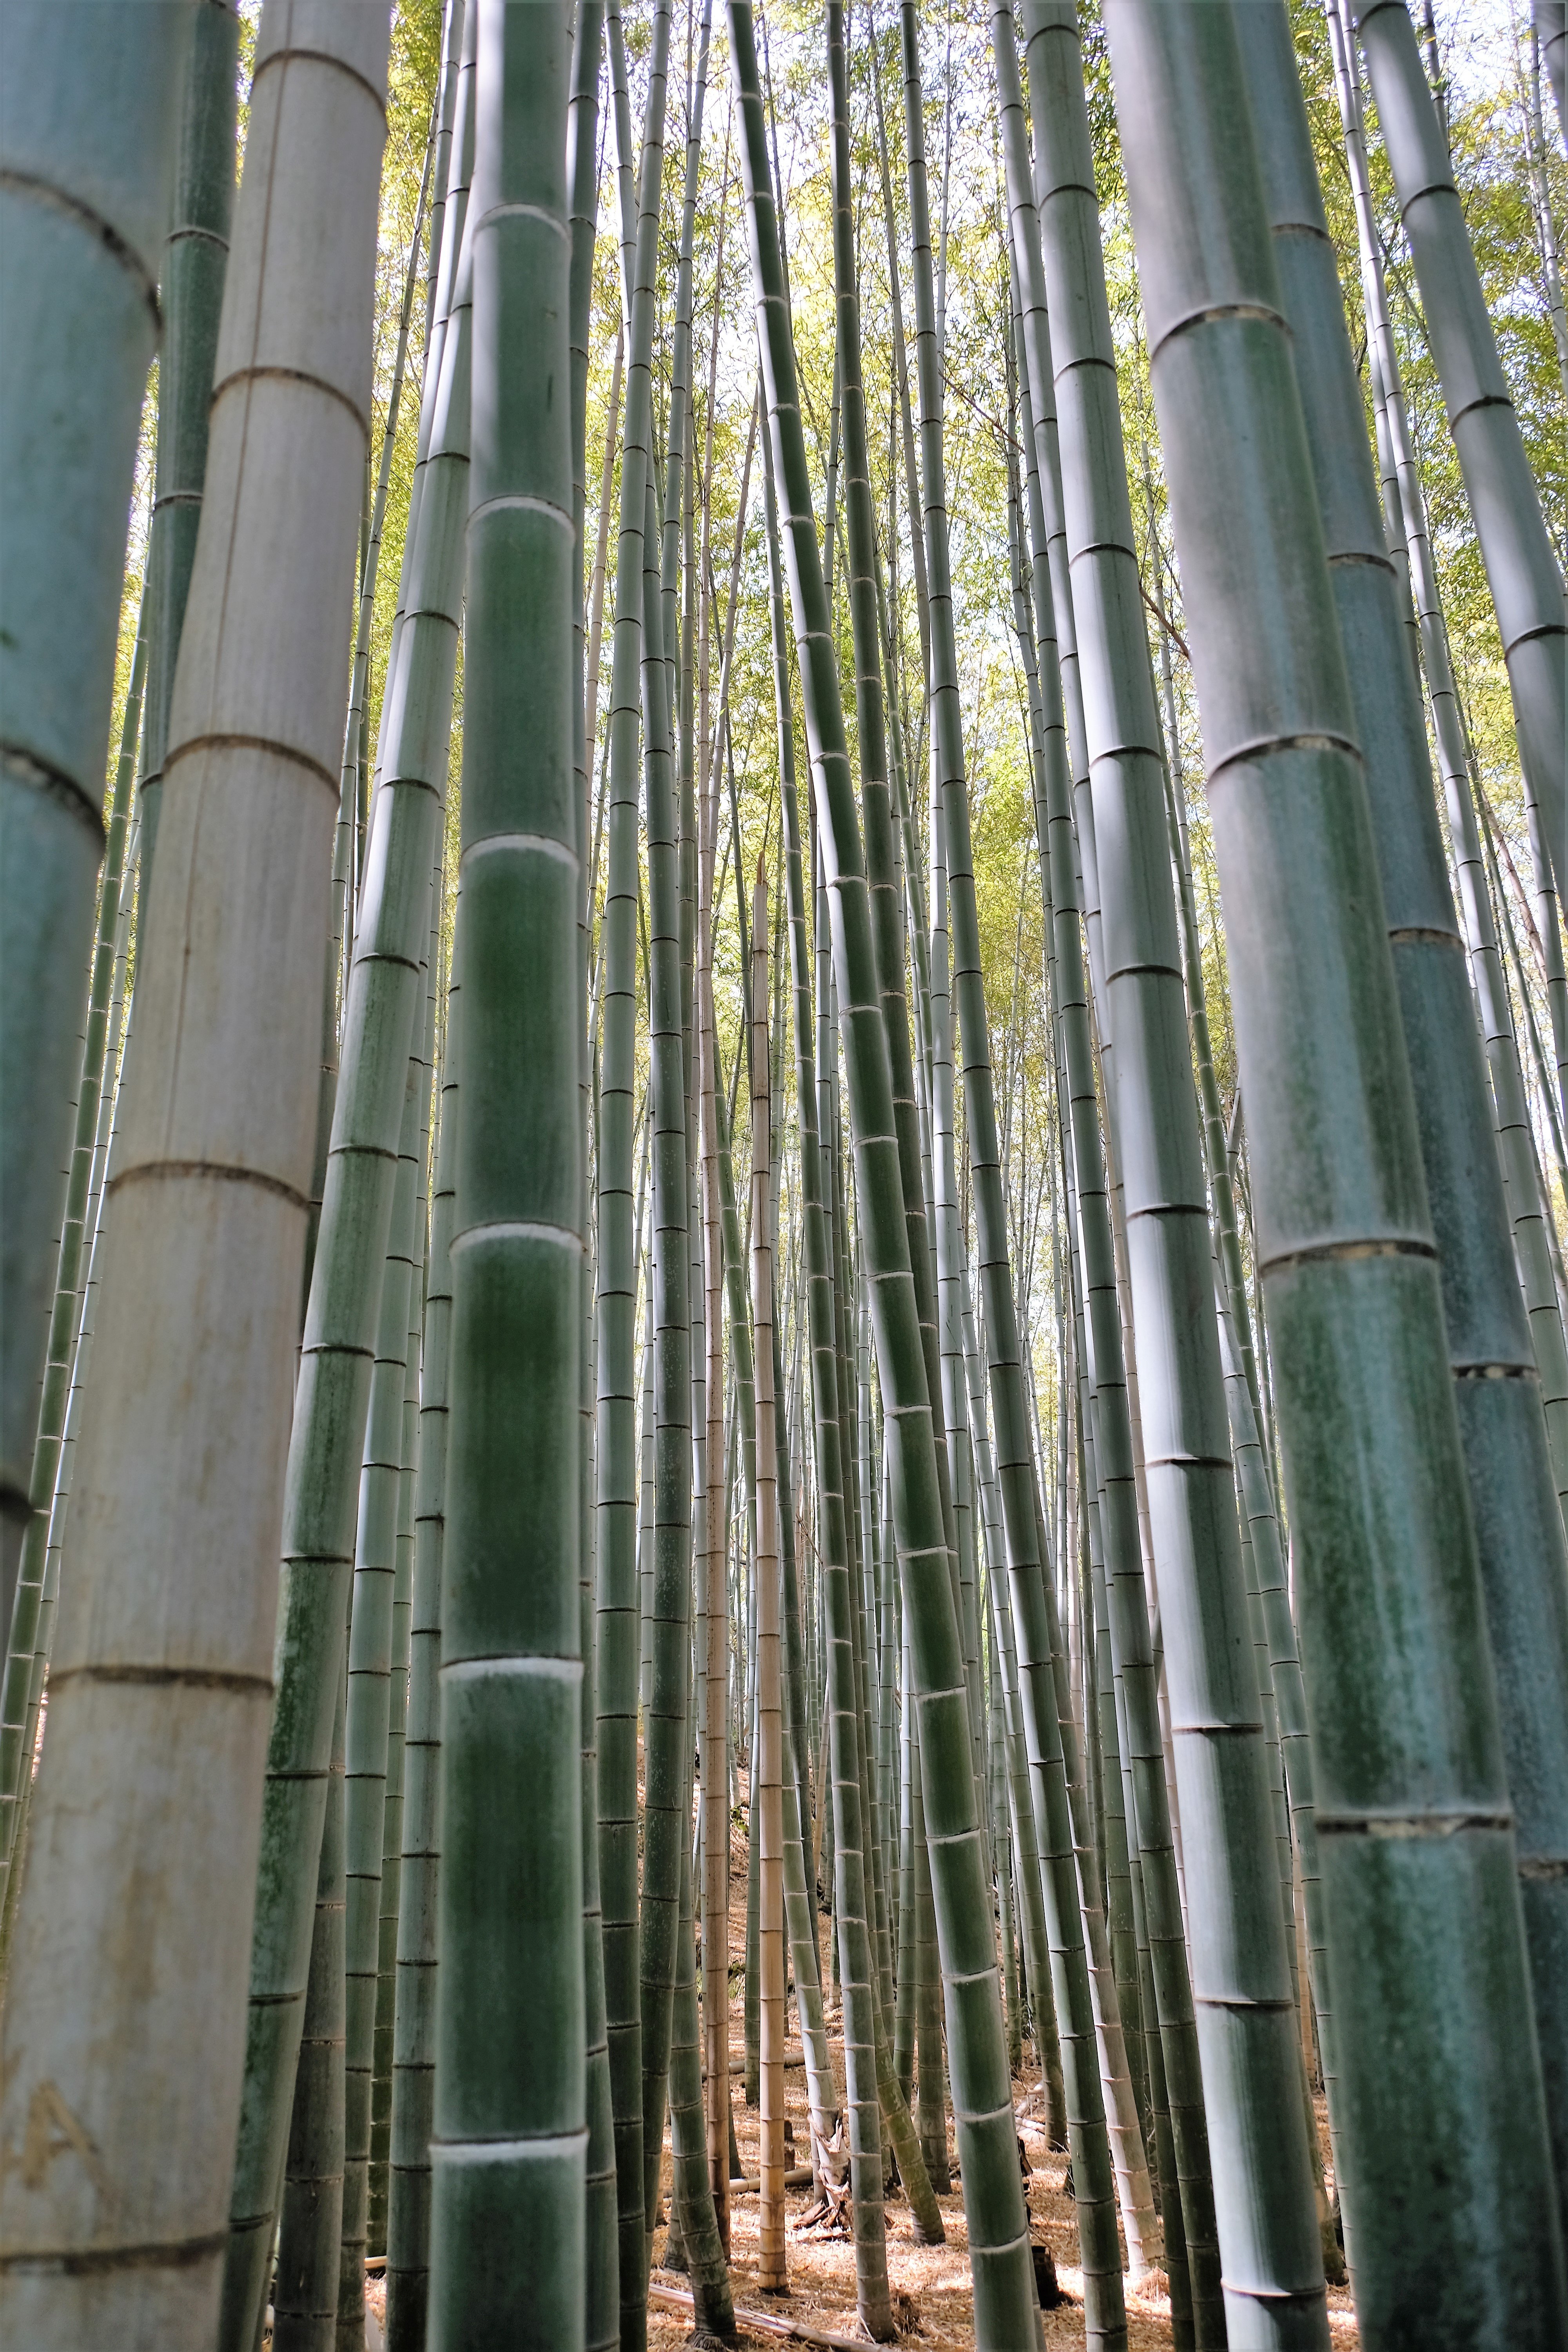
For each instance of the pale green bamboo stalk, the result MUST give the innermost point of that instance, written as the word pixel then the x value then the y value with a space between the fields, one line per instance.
pixel 160 1683
pixel 89 113
pixel 1425 1932
pixel 332 1398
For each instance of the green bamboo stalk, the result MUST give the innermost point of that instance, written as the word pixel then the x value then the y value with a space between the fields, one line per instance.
pixel 1029 1882
pixel 1148 1821
pixel 305 2290
pixel 332 1395
pixel 842 1800
pixel 509 2145
pixel 983 2102
pixel 602 2296
pixel 160 1687
pixel 195 257
pixel 371 1666
pixel 1526 1208
pixel 767 1801
pixel 1522 568
pixel 1403 1710
pixel 1520 1548
pixel 668 1725
pixel 87 131
pixel 345 862
pixel 65 1320
pixel 401 1616
pixel 618 1614
pixel 1002 1848
pixel 800 1862
pixel 886 901
pixel 1029 1573
pixel 413 2028
pixel 1273 2286
pixel 694 2226
pixel 27 1662
pixel 1548 19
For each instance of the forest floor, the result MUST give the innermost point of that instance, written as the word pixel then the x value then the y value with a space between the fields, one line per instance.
pixel 932 2302
pixel 931 2287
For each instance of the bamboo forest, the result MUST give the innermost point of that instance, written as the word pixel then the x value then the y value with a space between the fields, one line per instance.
pixel 784 1404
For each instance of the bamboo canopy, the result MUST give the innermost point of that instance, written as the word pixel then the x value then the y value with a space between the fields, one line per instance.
pixel 783 1175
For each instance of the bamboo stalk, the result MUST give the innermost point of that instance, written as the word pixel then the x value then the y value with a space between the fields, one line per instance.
pixel 1401 1746
pixel 414 2024
pixel 617 1615
pixel 195 257
pixel 1523 570
pixel 160 1683
pixel 1497 1389
pixel 983 2102
pixel 332 1393
pixel 767 1804
pixel 508 2255
pixel 85 140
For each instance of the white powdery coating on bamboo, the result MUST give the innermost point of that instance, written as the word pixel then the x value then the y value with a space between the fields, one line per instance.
pixel 126 2011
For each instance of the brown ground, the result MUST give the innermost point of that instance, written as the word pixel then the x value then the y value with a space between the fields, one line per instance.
pixel 934 2279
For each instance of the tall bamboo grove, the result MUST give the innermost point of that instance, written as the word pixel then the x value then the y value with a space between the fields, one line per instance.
pixel 533 1534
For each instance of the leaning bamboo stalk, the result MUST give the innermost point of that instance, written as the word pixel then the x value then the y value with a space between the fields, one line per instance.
pixel 1005 2299
pixel 332 1398
pixel 161 1686
pixel 1497 1388
pixel 87 135
pixel 1523 570
pixel 1413 1817
pixel 601 2329
pixel 1029 1573
pixel 714 1802
pixel 840 1808
pixel 767 1813
pixel 617 1466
